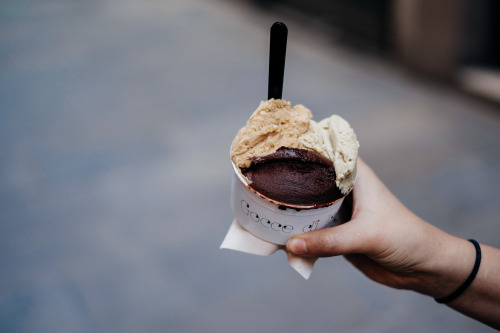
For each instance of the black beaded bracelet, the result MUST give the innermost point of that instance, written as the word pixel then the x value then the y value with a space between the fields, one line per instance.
pixel 469 280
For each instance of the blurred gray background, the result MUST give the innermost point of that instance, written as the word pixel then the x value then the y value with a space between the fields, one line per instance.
pixel 115 124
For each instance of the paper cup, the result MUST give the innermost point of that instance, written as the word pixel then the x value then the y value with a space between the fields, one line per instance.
pixel 272 221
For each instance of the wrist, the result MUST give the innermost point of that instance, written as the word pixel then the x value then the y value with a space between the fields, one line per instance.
pixel 464 286
pixel 450 264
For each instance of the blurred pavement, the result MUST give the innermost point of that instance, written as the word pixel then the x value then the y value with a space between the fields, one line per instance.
pixel 115 124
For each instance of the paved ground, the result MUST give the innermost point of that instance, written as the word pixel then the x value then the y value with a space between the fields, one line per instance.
pixel 115 124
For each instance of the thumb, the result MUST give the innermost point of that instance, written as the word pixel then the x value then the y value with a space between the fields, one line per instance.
pixel 334 241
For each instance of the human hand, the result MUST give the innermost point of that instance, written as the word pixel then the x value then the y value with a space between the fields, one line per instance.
pixel 390 244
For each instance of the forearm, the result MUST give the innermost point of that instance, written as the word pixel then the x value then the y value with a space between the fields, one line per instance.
pixel 451 265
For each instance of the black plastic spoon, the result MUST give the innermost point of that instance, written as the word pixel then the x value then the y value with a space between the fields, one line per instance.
pixel 277 54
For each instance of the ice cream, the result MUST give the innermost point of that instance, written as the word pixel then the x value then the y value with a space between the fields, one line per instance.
pixel 293 176
pixel 280 144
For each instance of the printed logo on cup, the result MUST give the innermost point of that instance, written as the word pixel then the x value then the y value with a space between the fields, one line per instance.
pixel 276 226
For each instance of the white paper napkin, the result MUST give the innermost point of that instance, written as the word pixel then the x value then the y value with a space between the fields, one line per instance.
pixel 239 239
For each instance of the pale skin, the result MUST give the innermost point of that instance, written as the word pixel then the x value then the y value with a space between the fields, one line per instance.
pixel 393 246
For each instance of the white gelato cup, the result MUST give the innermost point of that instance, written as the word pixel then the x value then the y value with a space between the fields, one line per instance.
pixel 272 221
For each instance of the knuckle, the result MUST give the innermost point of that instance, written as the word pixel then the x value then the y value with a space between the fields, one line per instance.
pixel 326 242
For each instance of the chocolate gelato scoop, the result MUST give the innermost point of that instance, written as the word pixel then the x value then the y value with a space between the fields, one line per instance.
pixel 295 177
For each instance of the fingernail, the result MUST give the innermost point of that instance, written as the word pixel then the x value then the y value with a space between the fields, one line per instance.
pixel 297 246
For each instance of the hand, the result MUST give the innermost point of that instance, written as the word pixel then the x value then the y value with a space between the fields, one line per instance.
pixel 390 244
